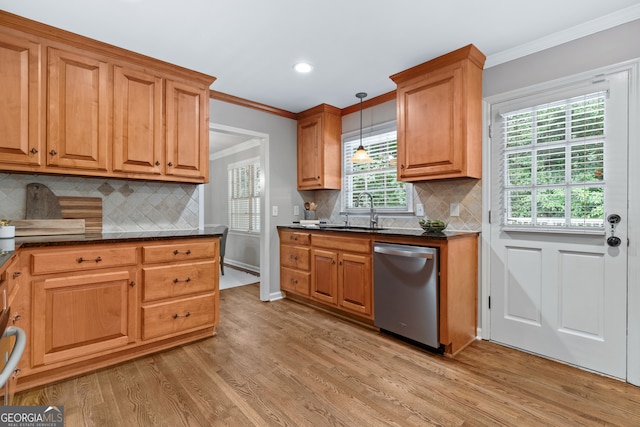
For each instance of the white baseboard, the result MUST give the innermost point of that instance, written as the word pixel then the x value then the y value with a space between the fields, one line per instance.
pixel 242 265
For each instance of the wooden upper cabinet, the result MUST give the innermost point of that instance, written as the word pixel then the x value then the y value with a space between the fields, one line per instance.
pixel 138 143
pixel 319 148
pixel 71 105
pixel 187 119
pixel 439 109
pixel 79 111
pixel 21 95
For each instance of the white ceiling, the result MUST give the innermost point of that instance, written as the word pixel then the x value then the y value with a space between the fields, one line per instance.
pixel 354 45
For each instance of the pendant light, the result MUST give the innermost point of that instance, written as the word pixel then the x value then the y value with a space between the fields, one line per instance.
pixel 360 156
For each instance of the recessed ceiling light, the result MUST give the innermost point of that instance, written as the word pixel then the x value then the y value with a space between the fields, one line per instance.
pixel 303 67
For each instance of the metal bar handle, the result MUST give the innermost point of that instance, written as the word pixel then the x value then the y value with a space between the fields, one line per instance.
pixel 81 260
pixel 187 280
pixel 187 314
pixel 187 252
pixel 399 252
pixel 16 353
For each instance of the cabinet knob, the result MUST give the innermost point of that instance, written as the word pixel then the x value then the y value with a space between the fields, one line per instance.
pixel 318 177
pixel 15 318
pixel 53 152
pixel 132 283
pixel 34 150
pixel 157 163
pixel 17 274
pixel 401 166
pixel 170 164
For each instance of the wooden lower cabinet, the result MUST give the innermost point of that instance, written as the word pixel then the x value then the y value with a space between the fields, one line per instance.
pixel 93 305
pixel 341 276
pixel 82 314
pixel 324 275
pixel 331 269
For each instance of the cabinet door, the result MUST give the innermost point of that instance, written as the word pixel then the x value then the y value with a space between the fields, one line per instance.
pixel 21 89
pixel 310 159
pixel 79 106
pixel 324 276
pixel 75 316
pixel 354 283
pixel 430 126
pixel 187 131
pixel 137 122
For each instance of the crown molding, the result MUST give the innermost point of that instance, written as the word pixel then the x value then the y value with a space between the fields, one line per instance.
pixel 591 27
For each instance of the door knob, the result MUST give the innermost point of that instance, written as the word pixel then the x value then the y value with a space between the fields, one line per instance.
pixel 613 241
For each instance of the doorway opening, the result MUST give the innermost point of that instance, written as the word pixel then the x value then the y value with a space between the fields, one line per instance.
pixel 244 250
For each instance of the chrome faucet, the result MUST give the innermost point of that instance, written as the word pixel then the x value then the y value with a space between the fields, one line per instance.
pixel 372 213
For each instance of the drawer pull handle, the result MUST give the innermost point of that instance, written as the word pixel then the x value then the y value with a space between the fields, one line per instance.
pixel 187 314
pixel 17 274
pixel 15 318
pixel 187 252
pixel 294 281
pixel 81 260
pixel 293 257
pixel 187 280
pixel 293 237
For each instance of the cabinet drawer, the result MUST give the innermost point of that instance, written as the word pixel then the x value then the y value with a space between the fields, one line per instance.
pixel 180 251
pixel 342 243
pixel 79 259
pixel 295 257
pixel 173 317
pixel 295 281
pixel 178 280
pixel 294 238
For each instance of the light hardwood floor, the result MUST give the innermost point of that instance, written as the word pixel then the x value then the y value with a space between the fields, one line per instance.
pixel 285 364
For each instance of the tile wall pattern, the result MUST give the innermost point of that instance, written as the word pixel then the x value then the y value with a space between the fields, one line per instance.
pixel 127 205
pixel 436 196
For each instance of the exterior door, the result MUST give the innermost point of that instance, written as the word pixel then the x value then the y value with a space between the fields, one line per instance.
pixel 558 283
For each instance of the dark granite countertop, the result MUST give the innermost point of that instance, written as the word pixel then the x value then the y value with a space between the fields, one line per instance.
pixel 5 256
pixel 386 232
pixel 138 236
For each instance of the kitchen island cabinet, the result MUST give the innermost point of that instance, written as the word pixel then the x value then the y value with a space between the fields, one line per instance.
pixel 320 148
pixel 342 272
pixel 439 111
pixel 86 305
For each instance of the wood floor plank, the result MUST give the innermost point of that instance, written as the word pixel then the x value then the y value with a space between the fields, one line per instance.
pixel 286 364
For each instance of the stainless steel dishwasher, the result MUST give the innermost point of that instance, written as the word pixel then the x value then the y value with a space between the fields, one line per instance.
pixel 405 282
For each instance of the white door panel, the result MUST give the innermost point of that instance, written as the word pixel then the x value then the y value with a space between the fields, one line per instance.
pixel 563 295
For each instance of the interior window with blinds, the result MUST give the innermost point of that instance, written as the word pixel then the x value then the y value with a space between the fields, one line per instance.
pixel 553 164
pixel 379 178
pixel 244 195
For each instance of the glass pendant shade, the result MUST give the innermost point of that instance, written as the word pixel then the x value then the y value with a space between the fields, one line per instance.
pixel 360 156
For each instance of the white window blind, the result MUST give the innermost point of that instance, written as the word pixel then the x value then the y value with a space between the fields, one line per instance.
pixel 553 164
pixel 244 195
pixel 379 177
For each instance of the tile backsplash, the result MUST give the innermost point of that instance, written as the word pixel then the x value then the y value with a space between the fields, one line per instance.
pixel 436 196
pixel 127 205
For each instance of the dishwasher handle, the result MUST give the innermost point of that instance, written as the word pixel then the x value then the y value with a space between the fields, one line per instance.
pixel 404 253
